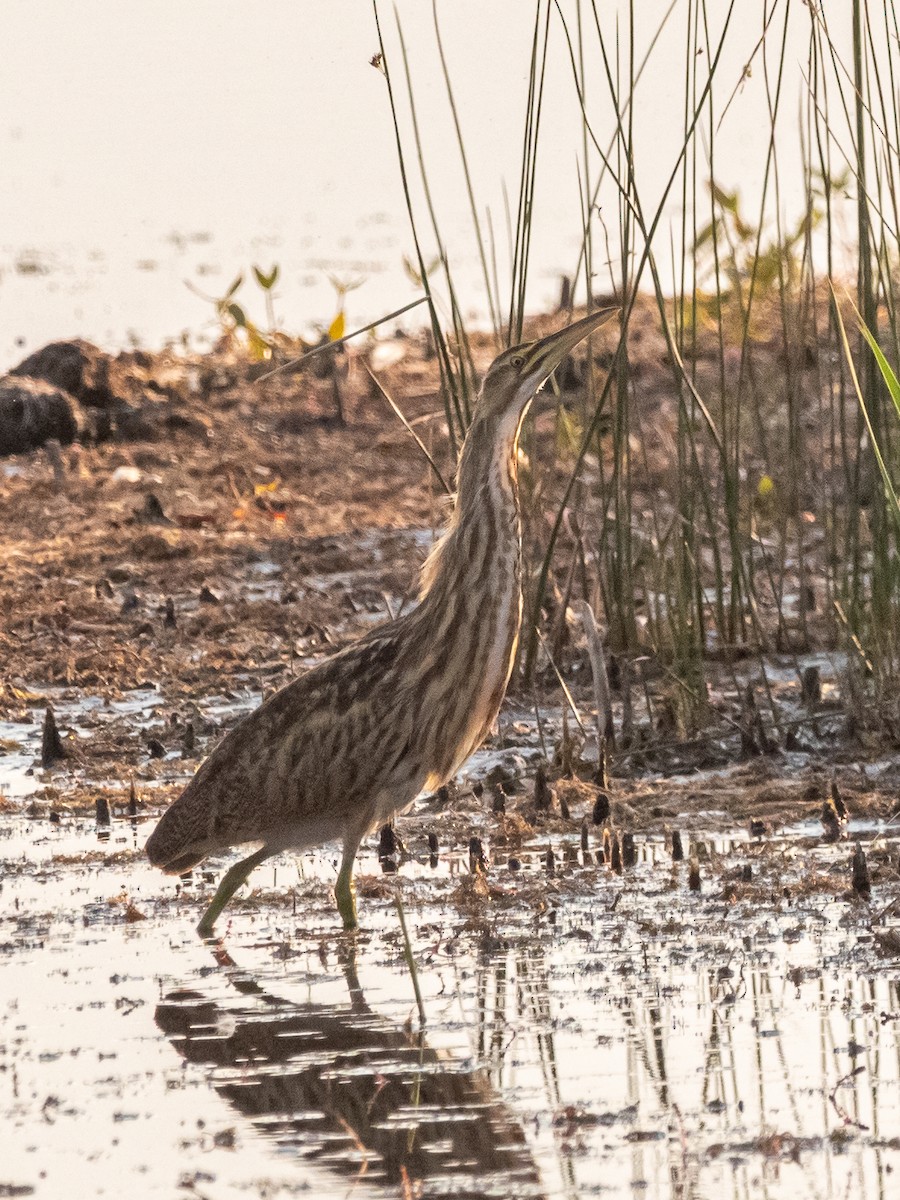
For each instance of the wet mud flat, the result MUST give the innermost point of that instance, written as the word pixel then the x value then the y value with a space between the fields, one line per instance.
pixel 589 1029
pixel 609 1008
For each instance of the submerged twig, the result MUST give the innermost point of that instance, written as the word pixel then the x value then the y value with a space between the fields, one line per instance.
pixel 408 955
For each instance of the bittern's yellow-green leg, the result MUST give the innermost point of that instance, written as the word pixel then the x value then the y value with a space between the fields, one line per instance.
pixel 345 890
pixel 233 879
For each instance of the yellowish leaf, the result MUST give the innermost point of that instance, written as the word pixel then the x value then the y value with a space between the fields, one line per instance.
pixel 259 348
pixel 337 327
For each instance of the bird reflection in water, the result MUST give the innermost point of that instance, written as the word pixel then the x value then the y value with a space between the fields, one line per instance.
pixel 347 1089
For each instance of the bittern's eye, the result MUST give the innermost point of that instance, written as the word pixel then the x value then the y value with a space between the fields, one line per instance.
pixel 517 360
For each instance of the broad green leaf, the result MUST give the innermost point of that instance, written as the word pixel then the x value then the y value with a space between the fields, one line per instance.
pixel 234 287
pixel 887 373
pixel 237 315
pixel 890 493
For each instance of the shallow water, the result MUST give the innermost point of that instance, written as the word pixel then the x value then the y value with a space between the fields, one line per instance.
pixel 585 1035
pixel 177 203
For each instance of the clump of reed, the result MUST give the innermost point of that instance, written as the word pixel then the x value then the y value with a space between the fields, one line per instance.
pixel 747 510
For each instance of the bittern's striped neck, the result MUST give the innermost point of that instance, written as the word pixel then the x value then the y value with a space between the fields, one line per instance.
pixel 486 498
pixel 471 607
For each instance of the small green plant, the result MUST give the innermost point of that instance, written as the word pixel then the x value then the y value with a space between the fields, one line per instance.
pixel 236 326
pixel 338 326
pixel 733 242
pixel 267 283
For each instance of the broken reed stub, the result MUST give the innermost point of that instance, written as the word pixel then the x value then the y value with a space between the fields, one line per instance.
pixel 832 823
pixel 585 837
pixel 564 810
pixel 101 808
pixel 170 621
pixel 189 738
pixel 601 778
pixel 677 847
pixel 131 809
pixel 629 851
pixel 811 687
pixel 477 856
pixel 862 885
pixel 615 858
pixel 387 841
pixel 52 749
pixel 498 799
pixel 550 861
pixel 602 808
pixel 837 800
pixel 543 794
pixel 694 876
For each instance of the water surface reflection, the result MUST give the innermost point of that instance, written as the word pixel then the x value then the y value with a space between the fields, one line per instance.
pixel 344 1087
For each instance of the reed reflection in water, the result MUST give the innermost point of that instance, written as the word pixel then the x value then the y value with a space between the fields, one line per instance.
pixel 345 1088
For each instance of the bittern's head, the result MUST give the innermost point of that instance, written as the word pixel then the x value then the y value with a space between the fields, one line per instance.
pixel 518 373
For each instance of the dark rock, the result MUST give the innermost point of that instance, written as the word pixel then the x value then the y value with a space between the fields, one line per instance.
pixel 31 413
pixel 79 368
pixel 97 381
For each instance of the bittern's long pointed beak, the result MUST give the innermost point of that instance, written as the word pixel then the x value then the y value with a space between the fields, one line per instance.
pixel 544 357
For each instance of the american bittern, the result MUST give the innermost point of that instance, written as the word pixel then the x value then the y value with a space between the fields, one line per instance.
pixel 357 738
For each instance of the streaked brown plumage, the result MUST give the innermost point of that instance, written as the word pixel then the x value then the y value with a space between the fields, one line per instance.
pixel 355 740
